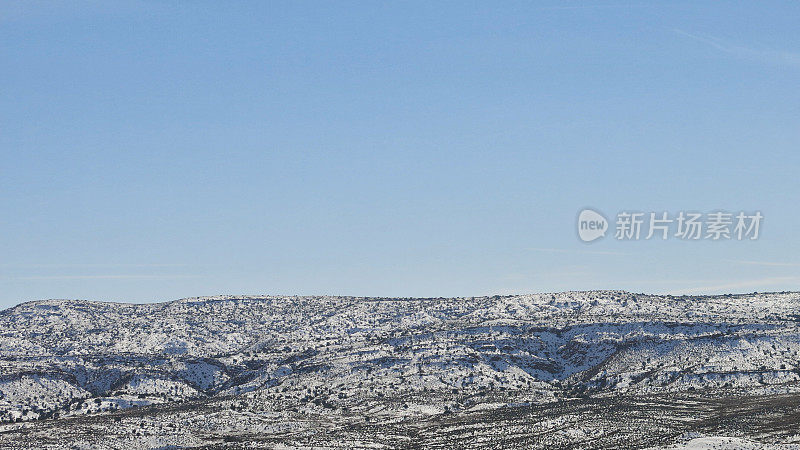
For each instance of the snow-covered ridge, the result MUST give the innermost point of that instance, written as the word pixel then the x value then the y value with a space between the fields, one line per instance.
pixel 64 358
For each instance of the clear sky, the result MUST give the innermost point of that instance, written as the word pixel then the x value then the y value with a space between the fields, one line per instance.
pixel 157 150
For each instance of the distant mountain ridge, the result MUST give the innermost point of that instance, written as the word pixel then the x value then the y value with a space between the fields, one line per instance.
pixel 378 358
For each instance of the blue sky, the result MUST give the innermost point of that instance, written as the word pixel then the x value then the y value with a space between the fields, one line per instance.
pixel 159 150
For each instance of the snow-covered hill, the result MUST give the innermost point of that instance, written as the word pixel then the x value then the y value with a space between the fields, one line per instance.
pixel 310 370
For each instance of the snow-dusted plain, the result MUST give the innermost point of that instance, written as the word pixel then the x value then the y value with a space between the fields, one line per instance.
pixel 601 369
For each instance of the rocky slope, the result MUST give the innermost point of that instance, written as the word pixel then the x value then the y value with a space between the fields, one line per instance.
pixel 551 370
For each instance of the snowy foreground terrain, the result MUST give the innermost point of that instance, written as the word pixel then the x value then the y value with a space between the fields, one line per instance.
pixel 572 370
